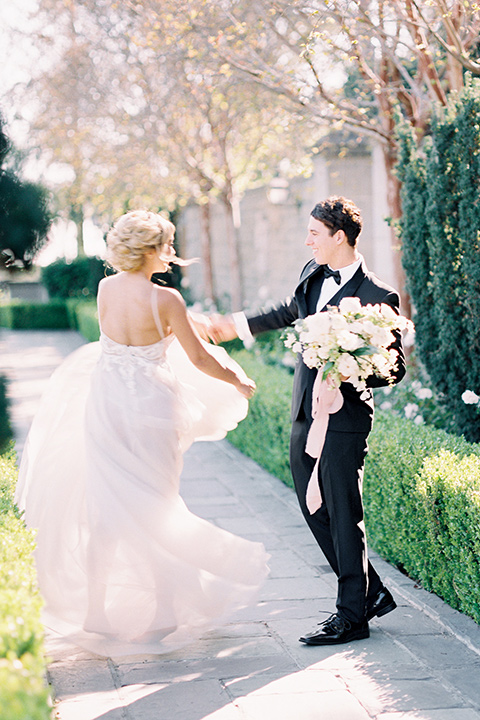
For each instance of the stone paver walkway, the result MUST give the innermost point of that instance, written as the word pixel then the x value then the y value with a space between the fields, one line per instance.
pixel 421 661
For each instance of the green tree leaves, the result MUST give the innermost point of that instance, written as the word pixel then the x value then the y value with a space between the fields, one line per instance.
pixel 24 214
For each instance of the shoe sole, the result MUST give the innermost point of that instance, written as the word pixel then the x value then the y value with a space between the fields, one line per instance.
pixel 359 635
pixel 383 611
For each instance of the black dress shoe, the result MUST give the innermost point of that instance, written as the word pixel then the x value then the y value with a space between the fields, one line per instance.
pixel 336 630
pixel 380 605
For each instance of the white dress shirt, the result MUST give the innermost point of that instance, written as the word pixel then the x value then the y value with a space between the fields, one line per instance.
pixel 330 287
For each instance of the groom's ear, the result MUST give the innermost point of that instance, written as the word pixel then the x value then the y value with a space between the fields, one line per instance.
pixel 340 237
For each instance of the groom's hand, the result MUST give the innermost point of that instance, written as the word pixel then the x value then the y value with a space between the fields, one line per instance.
pixel 222 328
pixel 201 324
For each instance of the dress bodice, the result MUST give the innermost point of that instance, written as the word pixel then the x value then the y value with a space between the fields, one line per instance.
pixel 129 359
pixel 150 353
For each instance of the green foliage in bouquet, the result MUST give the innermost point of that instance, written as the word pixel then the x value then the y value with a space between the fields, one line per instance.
pixel 23 691
pixel 440 232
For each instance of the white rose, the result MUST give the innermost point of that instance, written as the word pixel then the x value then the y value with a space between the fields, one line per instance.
pixel 290 340
pixel 347 365
pixel 310 357
pixel 381 337
pixel 350 305
pixel 338 322
pixel 470 398
pixel 307 337
pixel 319 323
pixel 410 410
pixel 381 363
pixel 388 312
pixel 424 393
pixel 349 341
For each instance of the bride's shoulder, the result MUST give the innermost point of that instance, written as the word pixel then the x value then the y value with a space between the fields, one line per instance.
pixel 168 296
pixel 110 281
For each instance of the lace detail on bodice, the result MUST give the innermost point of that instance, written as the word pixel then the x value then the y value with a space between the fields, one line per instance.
pixel 130 359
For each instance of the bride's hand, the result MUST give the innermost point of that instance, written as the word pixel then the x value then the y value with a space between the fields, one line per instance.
pixel 246 387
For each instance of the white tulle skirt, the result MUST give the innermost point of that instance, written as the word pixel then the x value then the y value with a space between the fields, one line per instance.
pixel 123 566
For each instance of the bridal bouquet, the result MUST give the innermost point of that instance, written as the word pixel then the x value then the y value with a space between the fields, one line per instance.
pixel 349 341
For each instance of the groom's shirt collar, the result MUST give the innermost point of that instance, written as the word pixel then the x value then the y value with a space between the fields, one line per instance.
pixel 330 287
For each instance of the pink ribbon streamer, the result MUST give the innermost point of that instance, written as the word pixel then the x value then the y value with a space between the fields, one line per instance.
pixel 326 400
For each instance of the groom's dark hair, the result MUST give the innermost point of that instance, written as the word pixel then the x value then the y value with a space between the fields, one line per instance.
pixel 338 213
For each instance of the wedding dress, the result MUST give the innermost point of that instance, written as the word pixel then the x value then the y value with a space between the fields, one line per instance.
pixel 123 566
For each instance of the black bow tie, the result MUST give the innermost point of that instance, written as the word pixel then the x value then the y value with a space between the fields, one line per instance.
pixel 335 274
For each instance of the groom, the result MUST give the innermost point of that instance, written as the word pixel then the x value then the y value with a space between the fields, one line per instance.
pixel 336 270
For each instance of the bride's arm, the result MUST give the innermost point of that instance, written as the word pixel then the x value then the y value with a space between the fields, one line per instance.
pixel 173 307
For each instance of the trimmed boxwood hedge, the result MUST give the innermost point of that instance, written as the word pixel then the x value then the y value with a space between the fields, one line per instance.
pixel 76 314
pixel 23 691
pixel 422 506
pixel 264 434
pixel 6 432
pixel 22 315
pixel 83 317
pixel 421 488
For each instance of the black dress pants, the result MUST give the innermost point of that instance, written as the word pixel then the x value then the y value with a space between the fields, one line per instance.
pixel 338 525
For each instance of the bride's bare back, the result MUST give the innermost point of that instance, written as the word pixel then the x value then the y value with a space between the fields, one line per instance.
pixel 125 309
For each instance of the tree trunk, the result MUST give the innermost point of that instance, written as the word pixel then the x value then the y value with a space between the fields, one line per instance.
pixel 208 283
pixel 76 214
pixel 395 206
pixel 236 293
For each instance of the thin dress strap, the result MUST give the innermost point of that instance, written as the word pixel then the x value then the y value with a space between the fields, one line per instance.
pixel 156 316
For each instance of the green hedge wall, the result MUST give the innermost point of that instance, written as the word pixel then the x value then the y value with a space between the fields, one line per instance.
pixel 421 488
pixel 440 234
pixel 21 315
pixel 77 314
pixel 264 434
pixel 23 691
pixel 83 317
pixel 6 432
pixel 422 506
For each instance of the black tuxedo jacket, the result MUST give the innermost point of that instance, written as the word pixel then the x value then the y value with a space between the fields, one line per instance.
pixel 356 415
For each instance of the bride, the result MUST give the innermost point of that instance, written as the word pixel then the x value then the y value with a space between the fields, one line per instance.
pixel 123 566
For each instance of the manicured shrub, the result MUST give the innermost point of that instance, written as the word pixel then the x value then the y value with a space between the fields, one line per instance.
pixel 84 318
pixel 422 503
pixel 23 691
pixel 421 487
pixel 6 434
pixel 78 278
pixel 22 315
pixel 264 434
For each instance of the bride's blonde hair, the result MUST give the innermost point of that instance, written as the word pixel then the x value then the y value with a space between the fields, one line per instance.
pixel 134 234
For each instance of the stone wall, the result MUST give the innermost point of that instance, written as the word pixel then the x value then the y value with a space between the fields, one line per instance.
pixel 273 236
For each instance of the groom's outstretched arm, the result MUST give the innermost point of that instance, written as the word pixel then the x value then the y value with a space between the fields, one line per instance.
pixel 228 327
pixel 280 316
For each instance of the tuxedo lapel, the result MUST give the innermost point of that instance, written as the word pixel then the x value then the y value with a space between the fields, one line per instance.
pixel 310 282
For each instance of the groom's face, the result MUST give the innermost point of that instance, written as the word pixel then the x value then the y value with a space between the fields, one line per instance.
pixel 321 241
